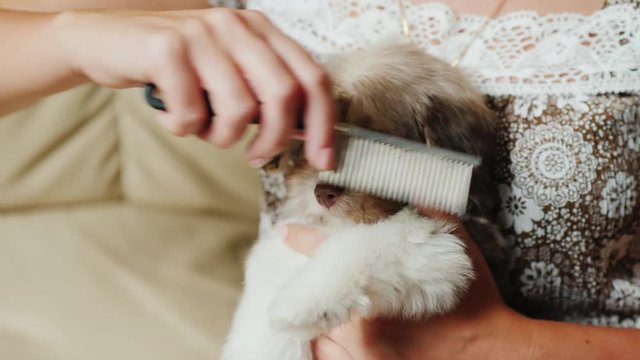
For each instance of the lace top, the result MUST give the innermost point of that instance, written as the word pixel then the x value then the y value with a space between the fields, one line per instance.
pixel 566 88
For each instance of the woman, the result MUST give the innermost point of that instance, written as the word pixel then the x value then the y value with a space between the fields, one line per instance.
pixel 568 170
pixel 175 51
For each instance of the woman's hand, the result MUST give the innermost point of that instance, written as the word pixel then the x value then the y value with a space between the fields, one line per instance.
pixel 249 68
pixel 481 327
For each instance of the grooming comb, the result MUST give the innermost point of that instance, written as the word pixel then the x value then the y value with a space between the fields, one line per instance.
pixel 391 167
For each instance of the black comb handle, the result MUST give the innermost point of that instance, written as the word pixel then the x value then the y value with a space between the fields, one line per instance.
pixel 150 94
pixel 150 91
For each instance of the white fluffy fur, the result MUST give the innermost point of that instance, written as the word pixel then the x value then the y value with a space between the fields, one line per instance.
pixel 405 266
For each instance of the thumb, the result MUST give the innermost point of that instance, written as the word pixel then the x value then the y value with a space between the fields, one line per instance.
pixel 324 348
pixel 303 239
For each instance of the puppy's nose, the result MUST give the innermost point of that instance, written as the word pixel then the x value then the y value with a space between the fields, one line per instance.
pixel 327 195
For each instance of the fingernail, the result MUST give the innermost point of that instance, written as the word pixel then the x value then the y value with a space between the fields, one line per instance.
pixel 325 158
pixel 284 230
pixel 258 163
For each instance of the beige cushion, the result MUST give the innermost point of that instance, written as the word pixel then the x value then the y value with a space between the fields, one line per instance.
pixel 117 240
pixel 62 150
pixel 164 170
pixel 92 144
pixel 117 281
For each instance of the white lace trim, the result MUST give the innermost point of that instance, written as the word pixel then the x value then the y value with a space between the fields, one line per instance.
pixel 520 53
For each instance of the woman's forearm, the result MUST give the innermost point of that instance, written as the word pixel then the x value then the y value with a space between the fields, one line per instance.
pixel 34 63
pixel 555 340
pixel 513 336
pixel 61 5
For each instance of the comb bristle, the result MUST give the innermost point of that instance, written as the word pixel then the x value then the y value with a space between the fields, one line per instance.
pixel 402 174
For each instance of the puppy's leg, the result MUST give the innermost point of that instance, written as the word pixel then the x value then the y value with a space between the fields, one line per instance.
pixel 406 266
pixel 252 336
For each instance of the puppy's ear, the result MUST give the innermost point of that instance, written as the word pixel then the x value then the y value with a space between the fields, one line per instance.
pixel 469 126
pixel 465 125
pixel 343 105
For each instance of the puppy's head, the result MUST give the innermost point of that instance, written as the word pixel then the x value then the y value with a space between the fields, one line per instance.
pixel 397 89
pixel 310 202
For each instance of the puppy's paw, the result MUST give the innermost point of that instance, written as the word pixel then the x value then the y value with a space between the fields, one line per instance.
pixel 435 272
pixel 310 312
pixel 417 267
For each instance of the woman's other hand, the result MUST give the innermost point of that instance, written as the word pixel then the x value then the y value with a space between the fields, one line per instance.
pixel 481 328
pixel 249 68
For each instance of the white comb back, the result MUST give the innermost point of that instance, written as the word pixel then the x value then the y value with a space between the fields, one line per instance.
pixel 402 170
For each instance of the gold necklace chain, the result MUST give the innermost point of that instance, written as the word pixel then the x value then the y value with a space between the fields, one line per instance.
pixel 406 28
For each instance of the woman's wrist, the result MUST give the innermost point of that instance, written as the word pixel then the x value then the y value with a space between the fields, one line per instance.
pixel 65 28
pixel 500 333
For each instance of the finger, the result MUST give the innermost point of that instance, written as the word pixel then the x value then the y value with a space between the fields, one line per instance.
pixel 349 336
pixel 303 239
pixel 234 103
pixel 324 348
pixel 319 113
pixel 175 78
pixel 257 161
pixel 271 81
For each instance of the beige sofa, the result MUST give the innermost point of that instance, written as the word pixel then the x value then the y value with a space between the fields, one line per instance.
pixel 117 240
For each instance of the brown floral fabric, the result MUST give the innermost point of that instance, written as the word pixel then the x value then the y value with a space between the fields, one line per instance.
pixel 568 172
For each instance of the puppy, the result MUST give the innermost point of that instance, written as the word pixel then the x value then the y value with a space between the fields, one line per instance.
pixel 380 258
